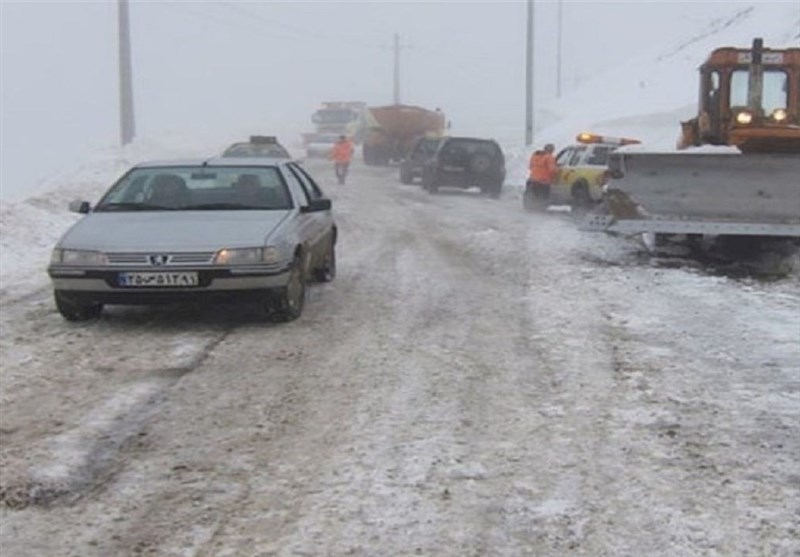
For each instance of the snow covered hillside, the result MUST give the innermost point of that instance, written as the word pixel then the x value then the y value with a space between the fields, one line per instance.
pixel 646 98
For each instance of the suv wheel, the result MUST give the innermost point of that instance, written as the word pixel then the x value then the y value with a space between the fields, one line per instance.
pixel 405 174
pixel 429 181
pixel 492 191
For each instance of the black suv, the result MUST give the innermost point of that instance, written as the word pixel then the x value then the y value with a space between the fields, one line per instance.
pixel 421 150
pixel 466 162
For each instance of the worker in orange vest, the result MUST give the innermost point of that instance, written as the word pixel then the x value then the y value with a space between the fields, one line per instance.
pixel 543 171
pixel 341 155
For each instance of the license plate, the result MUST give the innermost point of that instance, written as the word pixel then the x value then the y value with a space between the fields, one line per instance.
pixel 157 280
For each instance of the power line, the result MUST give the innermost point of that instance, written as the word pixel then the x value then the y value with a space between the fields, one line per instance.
pixel 298 32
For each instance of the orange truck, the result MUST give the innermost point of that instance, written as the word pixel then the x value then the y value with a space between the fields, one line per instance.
pixel 738 167
pixel 393 129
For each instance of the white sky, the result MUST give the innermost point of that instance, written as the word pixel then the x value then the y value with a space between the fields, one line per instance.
pixel 218 67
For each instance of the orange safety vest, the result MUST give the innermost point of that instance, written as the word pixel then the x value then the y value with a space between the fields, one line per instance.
pixel 342 151
pixel 543 167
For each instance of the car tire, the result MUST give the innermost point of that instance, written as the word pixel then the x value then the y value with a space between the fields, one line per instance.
pixel 73 309
pixel 327 271
pixel 288 302
pixel 429 181
pixel 405 175
pixel 495 191
pixel 581 201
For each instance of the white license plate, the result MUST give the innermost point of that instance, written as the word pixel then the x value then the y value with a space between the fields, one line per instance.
pixel 157 279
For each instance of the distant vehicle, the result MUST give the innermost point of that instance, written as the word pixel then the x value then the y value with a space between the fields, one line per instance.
pixel 466 162
pixel 394 128
pixel 582 172
pixel 321 145
pixel 341 118
pixel 258 146
pixel 213 229
pixel 421 150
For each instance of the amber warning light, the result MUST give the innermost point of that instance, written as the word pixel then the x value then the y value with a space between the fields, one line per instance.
pixel 586 137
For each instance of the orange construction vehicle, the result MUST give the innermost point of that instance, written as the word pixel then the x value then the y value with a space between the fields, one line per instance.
pixel 750 100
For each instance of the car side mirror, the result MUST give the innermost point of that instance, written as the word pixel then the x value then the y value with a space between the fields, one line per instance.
pixel 78 206
pixel 320 204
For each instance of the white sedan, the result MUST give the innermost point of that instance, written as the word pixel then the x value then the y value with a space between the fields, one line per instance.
pixel 185 230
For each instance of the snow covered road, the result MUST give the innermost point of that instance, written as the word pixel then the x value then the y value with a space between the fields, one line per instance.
pixel 476 381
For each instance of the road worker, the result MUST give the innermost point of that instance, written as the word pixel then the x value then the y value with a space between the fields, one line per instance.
pixel 341 155
pixel 543 171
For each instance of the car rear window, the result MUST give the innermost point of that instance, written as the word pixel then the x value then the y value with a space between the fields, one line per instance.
pixel 468 147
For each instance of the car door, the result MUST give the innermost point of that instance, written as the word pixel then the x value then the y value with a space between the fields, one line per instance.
pixel 317 226
pixel 560 191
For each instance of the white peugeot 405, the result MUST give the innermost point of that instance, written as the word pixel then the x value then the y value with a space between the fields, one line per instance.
pixel 215 229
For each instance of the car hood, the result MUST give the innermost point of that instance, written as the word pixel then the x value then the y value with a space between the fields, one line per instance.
pixel 172 230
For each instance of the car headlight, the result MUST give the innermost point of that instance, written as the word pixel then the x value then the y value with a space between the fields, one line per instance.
pixel 779 114
pixel 78 257
pixel 247 256
pixel 744 117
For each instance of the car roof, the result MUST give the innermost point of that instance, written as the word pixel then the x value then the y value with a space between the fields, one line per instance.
pixel 215 162
pixel 462 138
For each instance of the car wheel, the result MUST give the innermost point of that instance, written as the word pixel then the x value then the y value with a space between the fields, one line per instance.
pixel 429 181
pixel 73 309
pixel 581 200
pixel 288 302
pixel 327 271
pixel 405 175
pixel 495 191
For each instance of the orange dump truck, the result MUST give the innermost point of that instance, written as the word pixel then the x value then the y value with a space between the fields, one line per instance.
pixel 392 129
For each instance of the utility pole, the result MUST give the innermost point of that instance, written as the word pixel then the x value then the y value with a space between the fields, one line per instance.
pixel 126 119
pixel 396 68
pixel 529 78
pixel 558 50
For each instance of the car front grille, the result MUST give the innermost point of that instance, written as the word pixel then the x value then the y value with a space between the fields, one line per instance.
pixel 161 258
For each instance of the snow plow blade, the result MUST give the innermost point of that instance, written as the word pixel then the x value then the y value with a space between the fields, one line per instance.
pixel 701 193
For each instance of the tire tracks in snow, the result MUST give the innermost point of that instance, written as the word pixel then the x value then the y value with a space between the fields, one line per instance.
pixel 68 465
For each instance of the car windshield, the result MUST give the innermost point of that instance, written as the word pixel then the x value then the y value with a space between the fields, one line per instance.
pixel 256 150
pixel 198 188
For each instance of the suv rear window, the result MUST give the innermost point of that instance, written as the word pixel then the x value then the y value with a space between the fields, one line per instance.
pixel 465 148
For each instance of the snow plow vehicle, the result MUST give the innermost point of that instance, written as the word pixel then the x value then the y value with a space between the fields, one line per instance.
pixel 737 170
pixel 394 129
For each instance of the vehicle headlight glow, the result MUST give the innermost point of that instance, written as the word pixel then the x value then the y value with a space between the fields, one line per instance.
pixel 744 117
pixel 779 114
pixel 247 256
pixel 78 257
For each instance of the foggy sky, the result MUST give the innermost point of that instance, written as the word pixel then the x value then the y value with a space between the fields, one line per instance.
pixel 215 67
